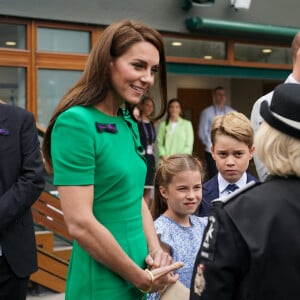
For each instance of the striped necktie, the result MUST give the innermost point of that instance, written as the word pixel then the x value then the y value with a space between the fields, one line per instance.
pixel 231 188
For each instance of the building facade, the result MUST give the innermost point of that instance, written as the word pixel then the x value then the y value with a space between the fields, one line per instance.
pixel 44 46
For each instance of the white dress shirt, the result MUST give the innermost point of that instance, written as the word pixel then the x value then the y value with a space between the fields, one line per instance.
pixel 224 183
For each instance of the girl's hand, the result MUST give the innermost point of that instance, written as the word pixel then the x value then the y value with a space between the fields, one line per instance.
pixel 158 258
pixel 162 276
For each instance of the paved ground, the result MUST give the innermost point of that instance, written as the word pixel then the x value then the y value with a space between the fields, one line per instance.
pixel 46 296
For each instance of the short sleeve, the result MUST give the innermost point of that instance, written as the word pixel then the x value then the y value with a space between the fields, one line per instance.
pixel 72 149
pixel 164 230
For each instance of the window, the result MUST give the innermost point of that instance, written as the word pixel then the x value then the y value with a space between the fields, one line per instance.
pixel 13 85
pixel 262 53
pixel 194 48
pixel 52 85
pixel 63 40
pixel 12 36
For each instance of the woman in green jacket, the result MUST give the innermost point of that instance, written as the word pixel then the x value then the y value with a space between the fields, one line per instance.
pixel 175 134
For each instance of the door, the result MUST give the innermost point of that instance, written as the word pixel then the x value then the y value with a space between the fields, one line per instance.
pixel 194 101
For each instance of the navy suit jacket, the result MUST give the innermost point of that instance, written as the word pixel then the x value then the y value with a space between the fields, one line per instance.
pixel 210 192
pixel 21 183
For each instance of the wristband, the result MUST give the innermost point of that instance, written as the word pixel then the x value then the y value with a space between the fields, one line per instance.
pixel 152 280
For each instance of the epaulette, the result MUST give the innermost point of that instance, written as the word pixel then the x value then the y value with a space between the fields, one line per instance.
pixel 227 198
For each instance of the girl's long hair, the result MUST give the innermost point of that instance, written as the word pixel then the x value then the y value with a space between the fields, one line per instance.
pixel 169 104
pixel 167 169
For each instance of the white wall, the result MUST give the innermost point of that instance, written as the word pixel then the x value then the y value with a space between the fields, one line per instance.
pixel 198 82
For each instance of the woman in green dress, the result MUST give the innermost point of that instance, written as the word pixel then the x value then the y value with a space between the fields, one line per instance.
pixel 92 146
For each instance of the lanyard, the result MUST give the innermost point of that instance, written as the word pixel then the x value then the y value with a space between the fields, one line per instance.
pixel 150 137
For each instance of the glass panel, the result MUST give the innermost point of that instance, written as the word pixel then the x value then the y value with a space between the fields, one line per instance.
pixel 13 85
pixel 262 53
pixel 63 40
pixel 12 36
pixel 194 48
pixel 52 85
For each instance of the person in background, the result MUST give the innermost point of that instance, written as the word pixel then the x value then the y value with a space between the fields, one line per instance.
pixel 207 116
pixel 177 194
pixel 250 249
pixel 92 143
pixel 232 149
pixel 175 134
pixel 148 137
pixel 256 118
pixel 21 183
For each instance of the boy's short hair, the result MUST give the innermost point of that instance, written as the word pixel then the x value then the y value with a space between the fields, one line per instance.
pixel 235 125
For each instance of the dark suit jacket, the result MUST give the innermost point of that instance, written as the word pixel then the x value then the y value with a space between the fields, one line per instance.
pixel 21 182
pixel 210 192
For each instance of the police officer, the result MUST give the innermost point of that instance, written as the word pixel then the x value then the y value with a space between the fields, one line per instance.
pixel 251 247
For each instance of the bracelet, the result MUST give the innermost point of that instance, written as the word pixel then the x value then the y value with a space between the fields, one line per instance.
pixel 152 280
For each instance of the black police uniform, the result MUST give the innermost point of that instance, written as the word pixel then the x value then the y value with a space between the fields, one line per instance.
pixel 251 246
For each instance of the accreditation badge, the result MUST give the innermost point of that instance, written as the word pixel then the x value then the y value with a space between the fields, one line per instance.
pixel 199 282
pixel 149 149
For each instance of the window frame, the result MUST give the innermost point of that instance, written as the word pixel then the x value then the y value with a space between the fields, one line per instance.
pixel 32 59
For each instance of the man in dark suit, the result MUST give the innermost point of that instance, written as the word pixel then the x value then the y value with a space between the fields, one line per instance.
pixel 232 149
pixel 21 182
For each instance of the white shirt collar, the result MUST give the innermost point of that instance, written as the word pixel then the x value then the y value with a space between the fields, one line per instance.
pixel 291 79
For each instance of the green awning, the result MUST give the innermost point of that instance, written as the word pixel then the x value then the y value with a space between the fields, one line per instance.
pixel 226 71
pixel 240 29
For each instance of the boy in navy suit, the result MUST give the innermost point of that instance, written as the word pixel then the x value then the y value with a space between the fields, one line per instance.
pixel 232 149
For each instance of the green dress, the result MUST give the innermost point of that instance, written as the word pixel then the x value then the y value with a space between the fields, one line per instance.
pixel 112 162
